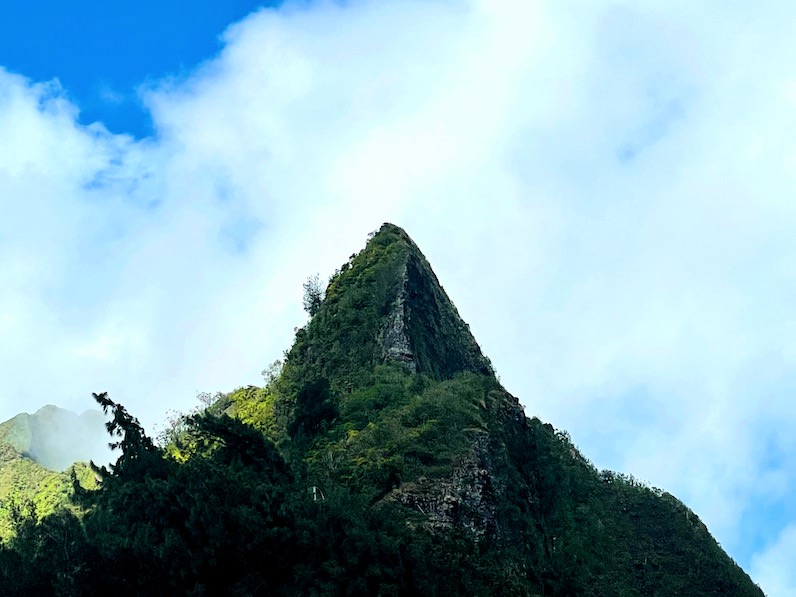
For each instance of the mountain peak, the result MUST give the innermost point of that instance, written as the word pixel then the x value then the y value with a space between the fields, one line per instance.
pixel 386 304
pixel 430 478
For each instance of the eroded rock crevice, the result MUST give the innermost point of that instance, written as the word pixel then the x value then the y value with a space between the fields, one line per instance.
pixel 394 339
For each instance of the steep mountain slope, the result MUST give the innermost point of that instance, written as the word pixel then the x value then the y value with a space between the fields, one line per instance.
pixel 386 393
pixel 385 305
pixel 384 458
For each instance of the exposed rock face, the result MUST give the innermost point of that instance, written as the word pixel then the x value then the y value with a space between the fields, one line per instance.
pixel 466 499
pixel 385 304
pixel 395 336
pixel 423 329
pixel 442 341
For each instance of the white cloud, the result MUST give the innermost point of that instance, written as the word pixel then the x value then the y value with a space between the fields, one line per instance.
pixel 603 189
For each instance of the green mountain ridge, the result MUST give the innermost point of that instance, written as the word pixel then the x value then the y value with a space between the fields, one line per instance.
pixel 38 454
pixel 56 438
pixel 384 457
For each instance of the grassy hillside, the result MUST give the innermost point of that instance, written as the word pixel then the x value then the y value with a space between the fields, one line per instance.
pixel 28 490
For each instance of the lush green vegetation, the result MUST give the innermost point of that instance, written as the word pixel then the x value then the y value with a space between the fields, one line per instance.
pixel 28 490
pixel 229 519
pixel 361 470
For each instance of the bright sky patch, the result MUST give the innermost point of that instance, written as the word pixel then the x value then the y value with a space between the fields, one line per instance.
pixel 102 51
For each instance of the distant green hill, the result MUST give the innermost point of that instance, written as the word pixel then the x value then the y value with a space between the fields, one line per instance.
pixel 56 438
pixel 37 454
pixel 383 458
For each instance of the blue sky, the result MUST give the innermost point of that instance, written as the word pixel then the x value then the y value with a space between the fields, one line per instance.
pixel 603 188
pixel 102 52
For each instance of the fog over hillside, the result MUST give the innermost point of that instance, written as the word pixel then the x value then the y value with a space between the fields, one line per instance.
pixel 56 438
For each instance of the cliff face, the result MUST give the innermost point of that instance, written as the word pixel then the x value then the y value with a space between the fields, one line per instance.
pixel 442 340
pixel 386 304
pixel 386 394
pixel 466 498
pixel 394 337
